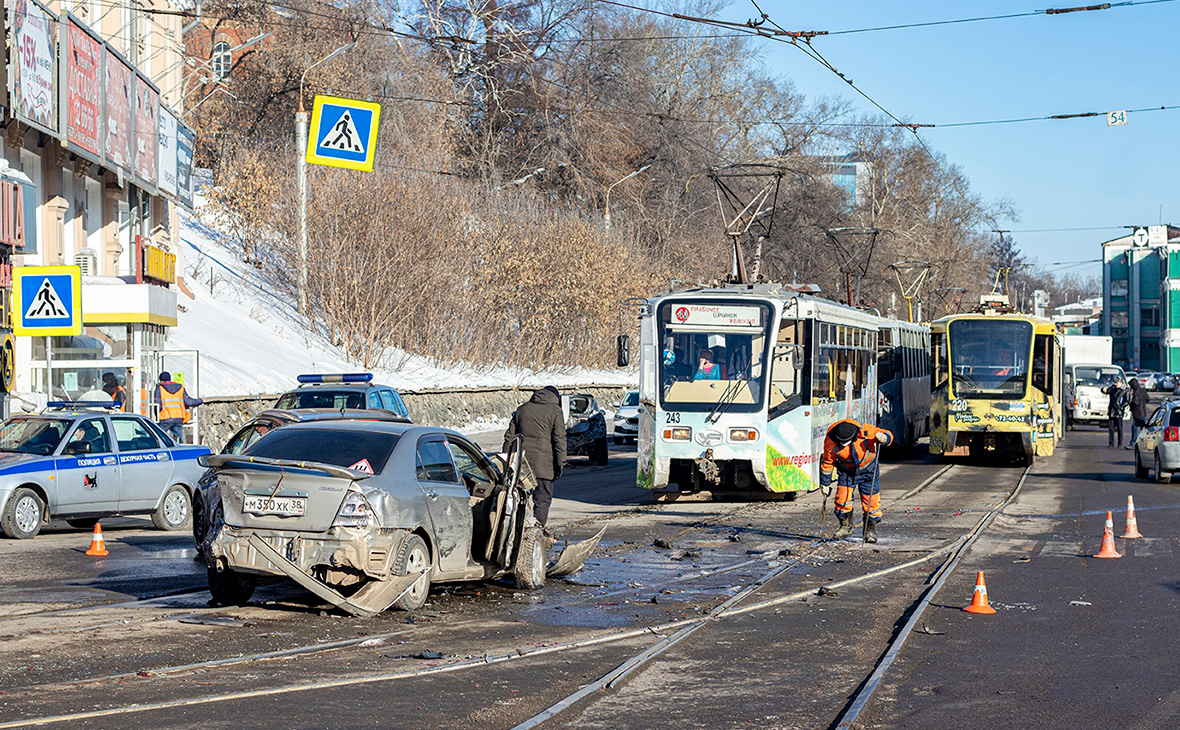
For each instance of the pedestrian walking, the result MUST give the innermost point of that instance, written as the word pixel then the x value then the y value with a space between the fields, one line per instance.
pixel 1138 401
pixel 850 450
pixel 110 386
pixel 1116 409
pixel 542 424
pixel 175 405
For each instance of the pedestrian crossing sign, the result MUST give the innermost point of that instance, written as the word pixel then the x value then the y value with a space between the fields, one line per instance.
pixel 343 133
pixel 48 300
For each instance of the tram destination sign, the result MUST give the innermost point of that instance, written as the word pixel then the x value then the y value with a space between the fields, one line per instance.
pixel 716 315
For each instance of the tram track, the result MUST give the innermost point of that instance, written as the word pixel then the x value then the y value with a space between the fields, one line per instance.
pixel 668 633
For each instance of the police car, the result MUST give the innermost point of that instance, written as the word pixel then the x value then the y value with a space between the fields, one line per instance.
pixel 80 461
pixel 342 391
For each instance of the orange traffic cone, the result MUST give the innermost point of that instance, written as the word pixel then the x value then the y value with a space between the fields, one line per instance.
pixel 97 546
pixel 1132 526
pixel 979 598
pixel 1106 550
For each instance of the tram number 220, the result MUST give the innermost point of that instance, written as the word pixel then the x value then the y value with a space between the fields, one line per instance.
pixel 671 418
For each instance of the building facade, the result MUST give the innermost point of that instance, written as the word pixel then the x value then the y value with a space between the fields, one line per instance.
pixel 1141 298
pixel 95 140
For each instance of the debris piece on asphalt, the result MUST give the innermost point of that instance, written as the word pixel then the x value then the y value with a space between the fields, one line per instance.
pixel 786 552
pixel 372 642
pixel 691 554
pixel 655 599
pixel 211 620
pixel 1080 603
pixel 428 654
pixel 1022 560
pixel 927 630
pixel 143 673
pixel 827 592
pixel 735 537
pixel 661 543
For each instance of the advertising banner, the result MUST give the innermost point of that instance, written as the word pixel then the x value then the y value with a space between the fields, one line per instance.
pixel 34 65
pixel 185 140
pixel 166 153
pixel 118 111
pixel 83 90
pixel 147 131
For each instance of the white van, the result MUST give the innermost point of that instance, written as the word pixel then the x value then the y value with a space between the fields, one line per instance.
pixel 1086 382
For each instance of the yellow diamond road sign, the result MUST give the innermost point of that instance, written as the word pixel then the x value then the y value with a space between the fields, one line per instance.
pixel 343 133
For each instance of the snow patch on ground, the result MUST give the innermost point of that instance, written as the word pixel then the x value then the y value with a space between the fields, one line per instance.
pixel 251 340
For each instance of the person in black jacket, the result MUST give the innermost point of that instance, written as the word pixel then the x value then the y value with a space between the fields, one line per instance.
pixel 1115 410
pixel 1137 399
pixel 541 421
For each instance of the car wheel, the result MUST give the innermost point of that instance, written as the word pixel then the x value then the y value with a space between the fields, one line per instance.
pixel 175 510
pixel 83 524
pixel 23 514
pixel 529 571
pixel 601 455
pixel 1140 470
pixel 229 588
pixel 1161 476
pixel 413 557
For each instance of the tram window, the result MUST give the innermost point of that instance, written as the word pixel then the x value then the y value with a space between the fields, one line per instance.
pixel 787 382
pixel 1042 370
pixel 884 356
pixel 821 381
pixel 939 374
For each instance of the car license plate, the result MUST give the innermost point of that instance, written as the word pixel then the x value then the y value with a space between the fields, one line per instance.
pixel 283 506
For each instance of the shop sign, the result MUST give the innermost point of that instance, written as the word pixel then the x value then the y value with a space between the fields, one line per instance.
pixel 118 115
pixel 12 217
pixel 156 264
pixel 166 153
pixel 184 165
pixel 83 89
pixel 34 65
pixel 147 130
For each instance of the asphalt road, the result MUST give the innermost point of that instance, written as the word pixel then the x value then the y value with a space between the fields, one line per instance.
pixel 1075 640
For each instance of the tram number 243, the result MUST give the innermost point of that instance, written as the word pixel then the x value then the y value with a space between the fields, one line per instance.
pixel 671 418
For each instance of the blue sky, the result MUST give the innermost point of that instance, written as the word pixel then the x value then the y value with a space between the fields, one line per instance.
pixel 1059 174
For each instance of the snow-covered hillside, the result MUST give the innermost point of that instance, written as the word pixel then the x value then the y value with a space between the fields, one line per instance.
pixel 251 341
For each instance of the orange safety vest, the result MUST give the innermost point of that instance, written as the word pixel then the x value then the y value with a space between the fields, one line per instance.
pixel 172 405
pixel 856 455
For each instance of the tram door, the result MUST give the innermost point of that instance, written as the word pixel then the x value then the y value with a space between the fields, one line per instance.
pixel 185 368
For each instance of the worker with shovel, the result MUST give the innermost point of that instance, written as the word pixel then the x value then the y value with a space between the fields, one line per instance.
pixel 851 448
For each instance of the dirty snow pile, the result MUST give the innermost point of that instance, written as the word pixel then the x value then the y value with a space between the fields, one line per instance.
pixel 251 341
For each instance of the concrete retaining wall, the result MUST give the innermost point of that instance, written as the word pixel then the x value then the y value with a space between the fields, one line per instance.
pixel 450 407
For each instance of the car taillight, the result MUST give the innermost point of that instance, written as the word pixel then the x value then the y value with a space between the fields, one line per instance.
pixel 355 512
pixel 1172 433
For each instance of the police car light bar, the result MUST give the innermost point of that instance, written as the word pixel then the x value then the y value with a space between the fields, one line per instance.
pixel 336 378
pixel 83 404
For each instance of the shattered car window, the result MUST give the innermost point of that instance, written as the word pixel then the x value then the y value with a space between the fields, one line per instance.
pixel 339 447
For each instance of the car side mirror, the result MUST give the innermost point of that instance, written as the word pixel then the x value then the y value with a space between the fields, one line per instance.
pixel 623 345
pixel 79 447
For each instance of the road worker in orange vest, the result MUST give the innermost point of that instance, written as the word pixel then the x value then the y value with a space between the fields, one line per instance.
pixel 850 450
pixel 174 405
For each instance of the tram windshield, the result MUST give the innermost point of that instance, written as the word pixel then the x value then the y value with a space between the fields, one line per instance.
pixel 990 357
pixel 713 353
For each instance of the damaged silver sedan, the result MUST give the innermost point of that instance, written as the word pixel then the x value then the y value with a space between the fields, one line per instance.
pixel 367 515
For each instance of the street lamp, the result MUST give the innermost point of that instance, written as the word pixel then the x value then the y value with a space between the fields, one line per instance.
pixel 301 175
pixel 606 210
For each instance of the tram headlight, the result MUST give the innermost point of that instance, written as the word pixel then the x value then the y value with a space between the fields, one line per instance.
pixel 743 434
pixel 679 433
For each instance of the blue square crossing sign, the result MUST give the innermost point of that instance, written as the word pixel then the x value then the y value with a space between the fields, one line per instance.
pixel 48 300
pixel 343 133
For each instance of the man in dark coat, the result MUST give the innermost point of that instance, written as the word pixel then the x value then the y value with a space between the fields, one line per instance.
pixel 1137 399
pixel 542 424
pixel 1115 410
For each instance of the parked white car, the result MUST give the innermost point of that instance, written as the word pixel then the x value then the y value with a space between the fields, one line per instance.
pixel 627 418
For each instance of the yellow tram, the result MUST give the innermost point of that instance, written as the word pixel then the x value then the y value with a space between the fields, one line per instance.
pixel 996 383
